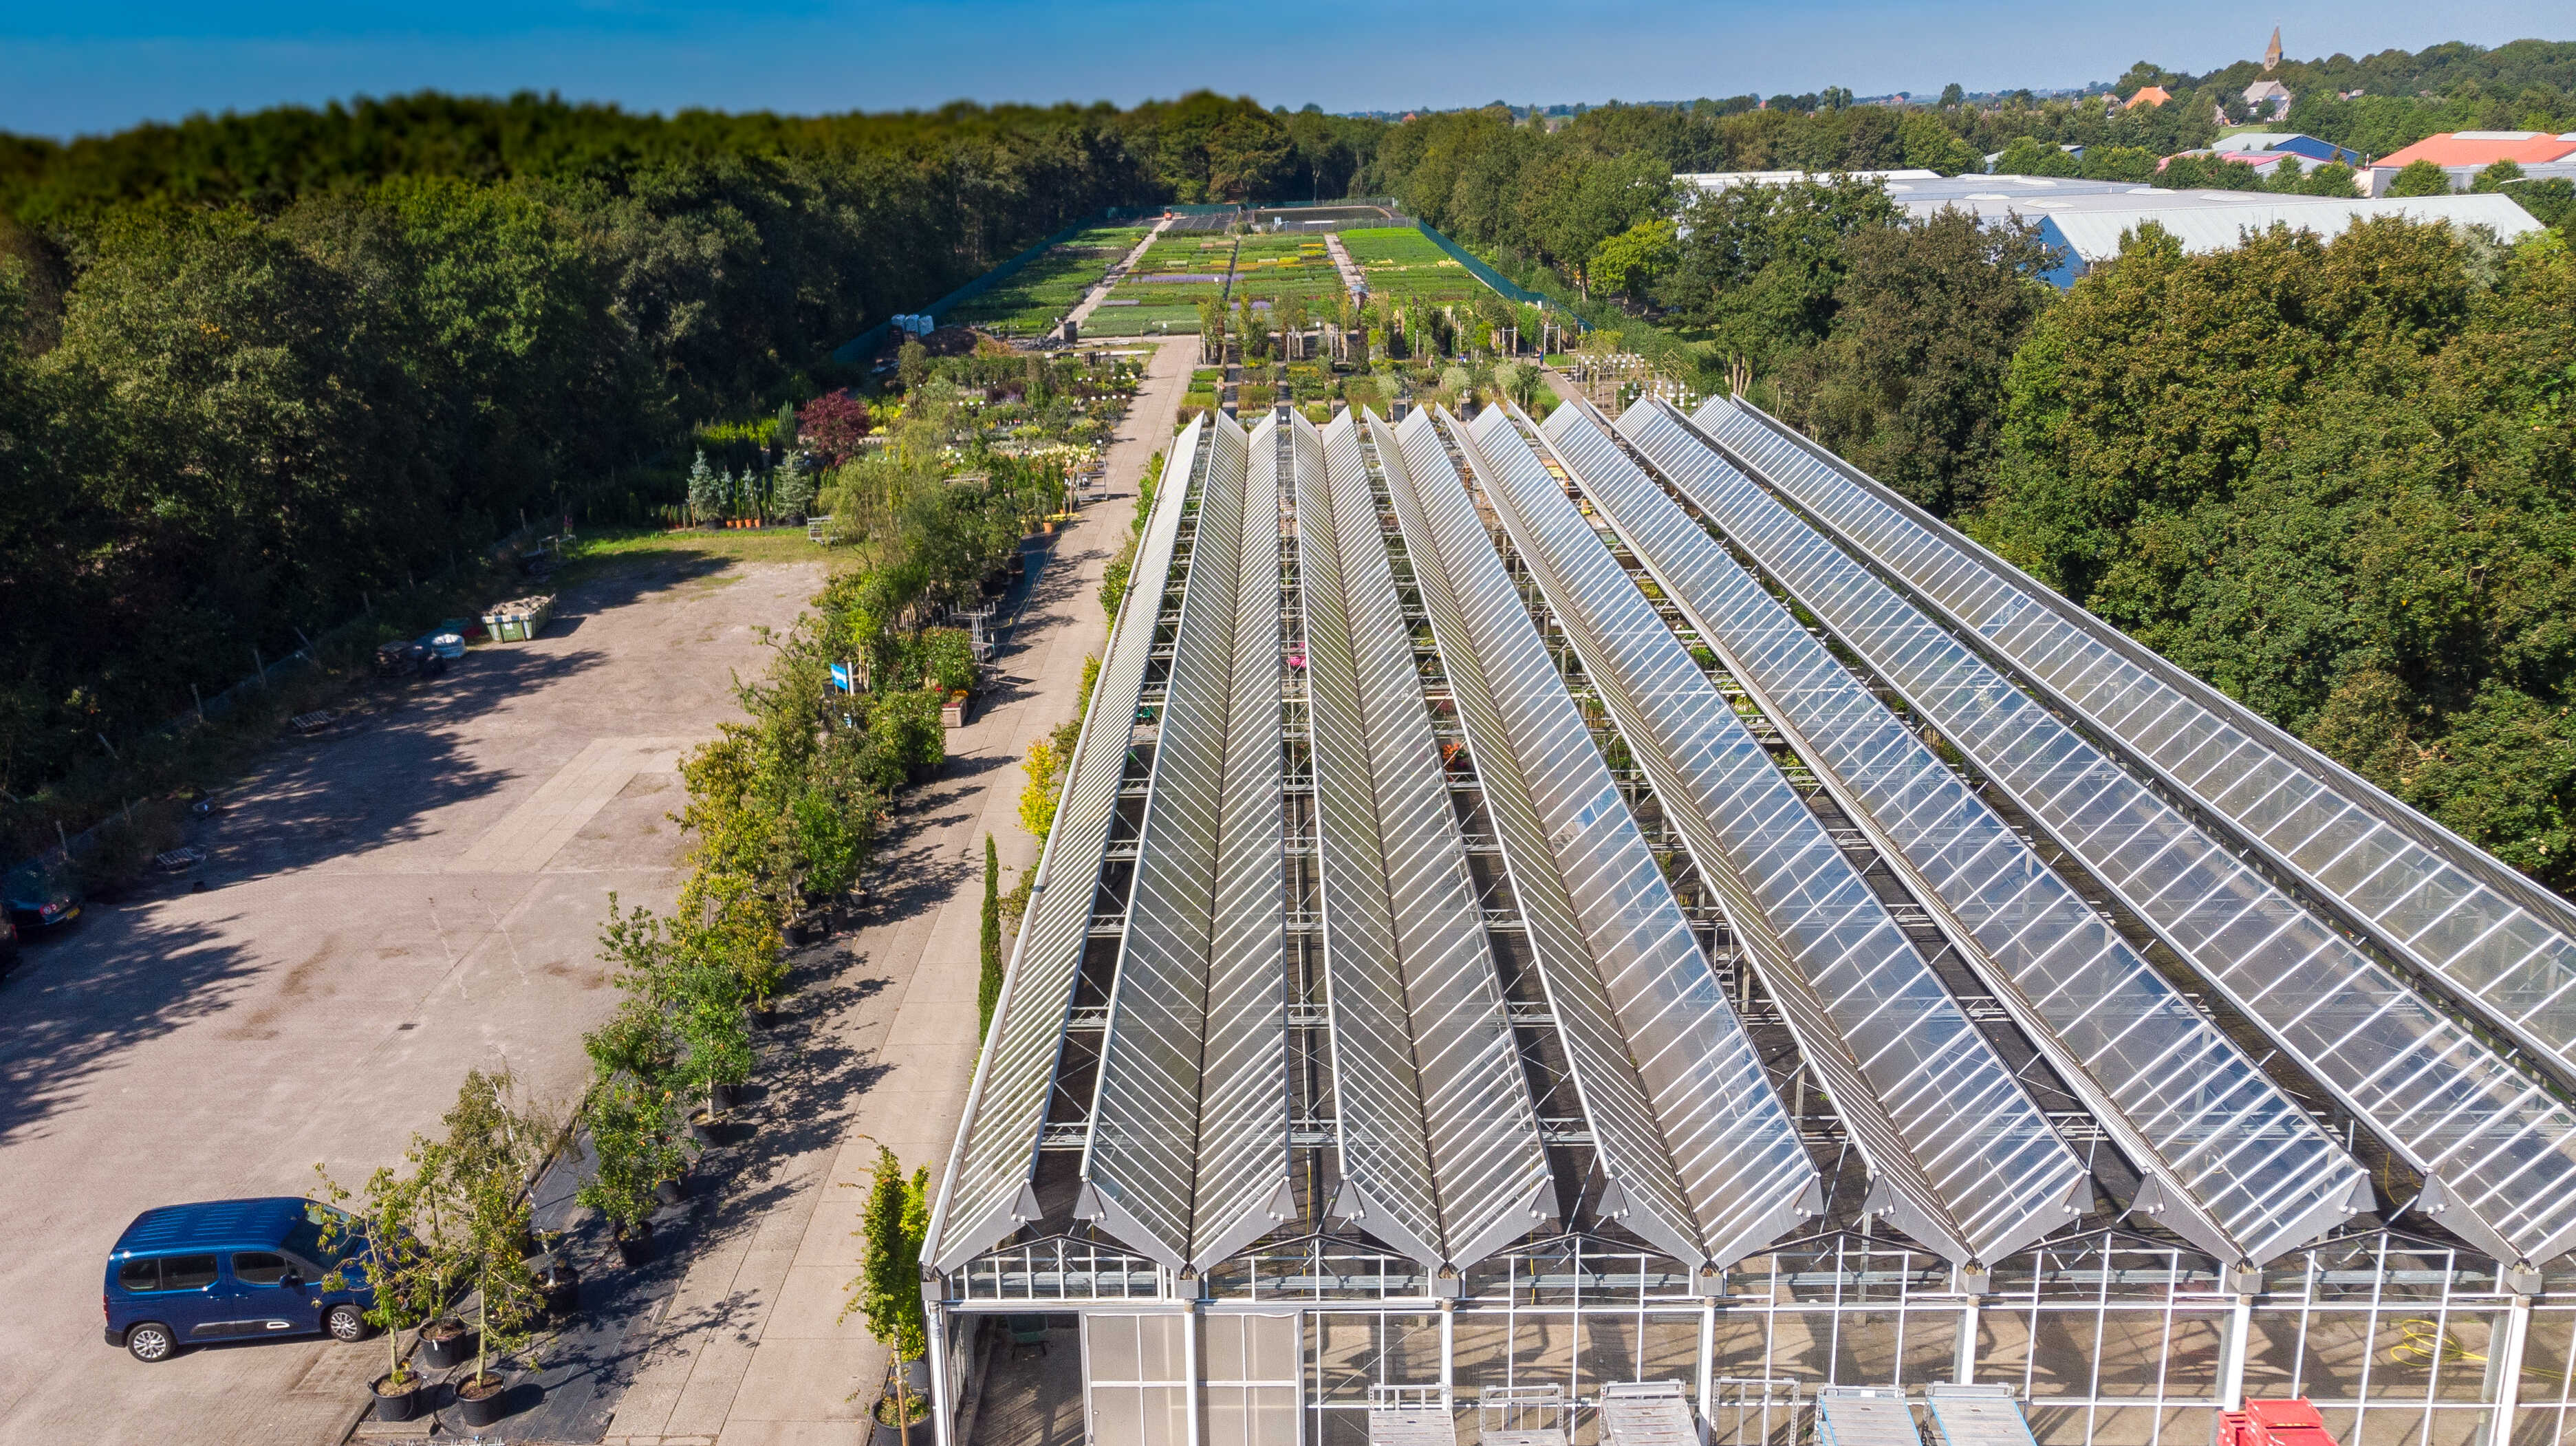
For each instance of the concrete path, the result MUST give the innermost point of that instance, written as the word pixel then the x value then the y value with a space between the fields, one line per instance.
pixel 1091 302
pixel 1350 269
pixel 749 1352
pixel 414 894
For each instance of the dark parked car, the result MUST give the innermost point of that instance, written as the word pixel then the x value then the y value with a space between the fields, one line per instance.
pixel 39 898
pixel 406 659
pixel 226 1270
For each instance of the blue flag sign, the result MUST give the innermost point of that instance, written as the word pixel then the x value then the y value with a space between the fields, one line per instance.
pixel 841 677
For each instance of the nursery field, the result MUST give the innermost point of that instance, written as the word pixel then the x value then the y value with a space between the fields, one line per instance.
pixel 1402 264
pixel 1140 305
pixel 1044 290
pixel 1113 319
pixel 1283 268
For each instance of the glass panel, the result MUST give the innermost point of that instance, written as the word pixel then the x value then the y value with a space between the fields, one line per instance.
pixel 187 1272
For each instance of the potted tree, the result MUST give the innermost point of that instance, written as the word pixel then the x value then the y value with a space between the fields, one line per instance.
pixel 887 1291
pixel 490 1136
pixel 379 1239
pixel 632 1138
pixel 708 1014
pixel 509 1303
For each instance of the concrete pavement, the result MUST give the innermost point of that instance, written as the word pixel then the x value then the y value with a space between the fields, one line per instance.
pixel 411 896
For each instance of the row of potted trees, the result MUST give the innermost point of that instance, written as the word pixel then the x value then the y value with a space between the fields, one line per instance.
pixel 447 1244
pixel 667 1063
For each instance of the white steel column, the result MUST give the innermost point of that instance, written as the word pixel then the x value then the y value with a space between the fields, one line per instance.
pixel 940 1427
pixel 1707 1367
pixel 1448 1355
pixel 1189 1363
pixel 1973 1285
pixel 2504 1369
pixel 2231 1355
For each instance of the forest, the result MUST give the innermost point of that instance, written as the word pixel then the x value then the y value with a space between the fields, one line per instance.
pixel 259 368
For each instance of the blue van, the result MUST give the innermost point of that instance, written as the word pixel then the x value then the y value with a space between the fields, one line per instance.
pixel 230 1269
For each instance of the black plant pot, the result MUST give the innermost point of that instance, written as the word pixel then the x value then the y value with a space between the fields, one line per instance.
pixel 399 1405
pixel 720 1098
pixel 483 1410
pixel 672 1191
pixel 449 1351
pixel 560 1281
pixel 635 1247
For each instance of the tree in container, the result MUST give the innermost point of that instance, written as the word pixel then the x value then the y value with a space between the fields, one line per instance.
pixel 635 1150
pixel 379 1237
pixel 706 492
pixel 491 1205
pixel 893 1226
pixel 708 998
pixel 791 490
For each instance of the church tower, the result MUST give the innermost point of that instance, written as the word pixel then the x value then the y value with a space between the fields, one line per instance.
pixel 2272 55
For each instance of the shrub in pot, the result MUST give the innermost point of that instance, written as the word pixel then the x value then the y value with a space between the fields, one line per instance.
pixel 636 1150
pixel 377 1236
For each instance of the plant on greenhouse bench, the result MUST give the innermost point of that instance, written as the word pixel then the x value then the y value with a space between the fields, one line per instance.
pixel 893 1226
pixel 380 1237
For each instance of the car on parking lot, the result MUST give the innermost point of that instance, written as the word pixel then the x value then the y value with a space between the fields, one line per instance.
pixel 220 1270
pixel 39 897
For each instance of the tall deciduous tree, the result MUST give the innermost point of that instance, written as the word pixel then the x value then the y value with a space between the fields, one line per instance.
pixel 1910 383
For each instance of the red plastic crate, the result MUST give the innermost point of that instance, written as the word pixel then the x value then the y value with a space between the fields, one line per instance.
pixel 2273 1423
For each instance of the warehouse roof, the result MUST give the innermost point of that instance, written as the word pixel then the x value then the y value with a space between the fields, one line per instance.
pixel 2093 234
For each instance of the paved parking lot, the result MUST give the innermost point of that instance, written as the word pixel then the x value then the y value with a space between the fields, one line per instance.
pixel 409 897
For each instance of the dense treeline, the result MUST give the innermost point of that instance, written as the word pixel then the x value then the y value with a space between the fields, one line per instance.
pixel 256 370
pixel 2337 480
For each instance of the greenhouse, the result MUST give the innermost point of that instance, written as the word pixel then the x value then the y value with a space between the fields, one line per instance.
pixel 1630 932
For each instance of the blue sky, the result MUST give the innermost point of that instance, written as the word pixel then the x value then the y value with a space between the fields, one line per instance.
pixel 69 68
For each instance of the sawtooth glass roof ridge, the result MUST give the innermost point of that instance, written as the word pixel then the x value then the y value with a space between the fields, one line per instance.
pixel 985 1191
pixel 2498 1153
pixel 1440 1144
pixel 1700 1157
pixel 2230 1162
pixel 2429 897
pixel 1960 1157
pixel 1188 1155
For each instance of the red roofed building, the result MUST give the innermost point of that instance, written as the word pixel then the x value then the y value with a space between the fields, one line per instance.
pixel 2149 95
pixel 2481 148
